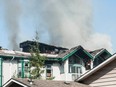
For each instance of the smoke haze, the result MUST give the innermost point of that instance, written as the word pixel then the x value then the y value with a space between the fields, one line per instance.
pixel 67 22
pixel 12 16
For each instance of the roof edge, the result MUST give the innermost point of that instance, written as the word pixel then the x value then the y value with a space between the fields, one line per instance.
pixel 16 81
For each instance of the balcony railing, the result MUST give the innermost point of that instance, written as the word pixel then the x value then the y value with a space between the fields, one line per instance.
pixel 75 76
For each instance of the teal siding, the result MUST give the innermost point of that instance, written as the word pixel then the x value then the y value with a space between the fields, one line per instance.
pixel 22 68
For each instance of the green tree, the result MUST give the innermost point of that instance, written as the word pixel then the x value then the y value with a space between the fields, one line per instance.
pixel 36 61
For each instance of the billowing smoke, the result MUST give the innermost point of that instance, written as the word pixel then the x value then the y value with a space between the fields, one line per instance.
pixel 97 41
pixel 69 23
pixel 12 16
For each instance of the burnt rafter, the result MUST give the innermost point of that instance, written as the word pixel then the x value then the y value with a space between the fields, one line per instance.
pixel 44 48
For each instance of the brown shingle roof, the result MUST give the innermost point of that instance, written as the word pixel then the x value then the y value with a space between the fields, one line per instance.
pixel 61 55
pixel 95 52
pixel 50 83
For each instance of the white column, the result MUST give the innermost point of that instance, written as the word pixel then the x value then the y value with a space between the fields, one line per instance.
pixel 10 69
pixel 66 70
pixel 91 64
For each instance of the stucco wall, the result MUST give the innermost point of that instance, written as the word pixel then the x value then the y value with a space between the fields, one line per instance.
pixel 56 71
pixel 9 69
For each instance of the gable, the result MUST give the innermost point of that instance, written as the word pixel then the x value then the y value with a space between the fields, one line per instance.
pixel 80 52
pixel 103 54
pixel 101 57
pixel 107 69
pixel 14 83
pixel 105 76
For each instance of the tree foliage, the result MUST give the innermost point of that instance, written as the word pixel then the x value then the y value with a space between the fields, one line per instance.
pixel 36 61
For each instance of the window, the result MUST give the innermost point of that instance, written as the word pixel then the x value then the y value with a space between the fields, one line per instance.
pixel 19 69
pixel 75 69
pixel 26 69
pixel 48 71
pixel 97 61
pixel 62 69
pixel 23 68
pixel 75 63
pixel 75 60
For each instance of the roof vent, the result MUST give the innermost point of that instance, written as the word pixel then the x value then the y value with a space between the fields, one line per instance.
pixel 30 81
pixel 67 82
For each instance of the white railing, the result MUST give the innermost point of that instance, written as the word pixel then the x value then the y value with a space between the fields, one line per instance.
pixel 75 76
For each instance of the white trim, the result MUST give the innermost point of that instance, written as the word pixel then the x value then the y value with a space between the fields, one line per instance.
pixel 12 80
pixel 49 55
pixel 97 68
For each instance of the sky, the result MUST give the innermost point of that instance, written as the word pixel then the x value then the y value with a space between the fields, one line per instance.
pixel 105 19
pixel 104 22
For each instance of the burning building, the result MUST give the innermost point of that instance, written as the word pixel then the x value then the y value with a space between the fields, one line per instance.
pixel 70 63
pixel 61 63
pixel 43 48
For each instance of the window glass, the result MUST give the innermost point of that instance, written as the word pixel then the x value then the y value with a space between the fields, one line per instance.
pixel 62 69
pixel 97 61
pixel 48 71
pixel 74 69
pixel 75 60
pixel 49 66
pixel 19 69
pixel 26 69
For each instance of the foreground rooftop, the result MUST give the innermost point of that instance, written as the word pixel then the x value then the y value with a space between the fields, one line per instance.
pixel 19 82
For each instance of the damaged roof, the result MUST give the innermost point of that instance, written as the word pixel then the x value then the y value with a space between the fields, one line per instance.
pixel 43 48
pixel 61 56
pixel 57 57
pixel 11 53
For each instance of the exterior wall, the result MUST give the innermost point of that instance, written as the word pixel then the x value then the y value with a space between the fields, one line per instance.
pixel 61 72
pixel 9 69
pixel 44 74
pixel 83 68
pixel 105 77
pixel 61 75
pixel 66 70
pixel 56 71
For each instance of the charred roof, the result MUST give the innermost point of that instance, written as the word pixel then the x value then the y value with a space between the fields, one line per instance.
pixel 44 48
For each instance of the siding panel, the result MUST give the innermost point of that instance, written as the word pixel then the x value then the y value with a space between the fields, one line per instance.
pixel 105 77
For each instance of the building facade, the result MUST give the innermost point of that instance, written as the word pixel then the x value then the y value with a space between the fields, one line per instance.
pixel 61 64
pixel 13 64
